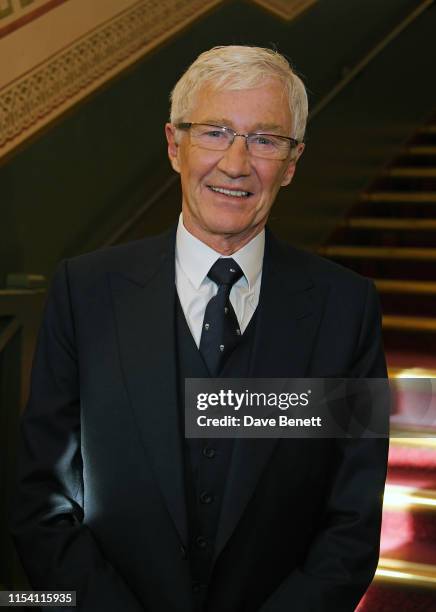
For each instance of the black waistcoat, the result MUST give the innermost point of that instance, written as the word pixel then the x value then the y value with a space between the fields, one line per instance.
pixel 206 461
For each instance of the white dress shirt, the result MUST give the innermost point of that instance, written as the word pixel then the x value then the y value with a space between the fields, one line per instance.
pixel 194 259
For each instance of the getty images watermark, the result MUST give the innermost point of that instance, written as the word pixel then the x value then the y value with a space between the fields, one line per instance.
pixel 307 407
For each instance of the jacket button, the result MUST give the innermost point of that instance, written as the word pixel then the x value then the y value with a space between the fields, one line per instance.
pixel 201 542
pixel 209 452
pixel 206 498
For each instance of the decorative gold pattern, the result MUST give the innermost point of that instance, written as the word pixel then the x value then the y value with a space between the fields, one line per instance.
pixel 6 8
pixel 285 9
pixel 35 99
pixel 32 100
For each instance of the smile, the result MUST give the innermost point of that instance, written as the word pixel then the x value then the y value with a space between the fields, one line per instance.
pixel 235 193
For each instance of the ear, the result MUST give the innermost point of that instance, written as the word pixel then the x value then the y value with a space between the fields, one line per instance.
pixel 292 163
pixel 173 147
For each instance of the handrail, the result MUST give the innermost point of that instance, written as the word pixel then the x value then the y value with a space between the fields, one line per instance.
pixel 149 202
pixel 353 72
pixel 24 309
pixel 8 333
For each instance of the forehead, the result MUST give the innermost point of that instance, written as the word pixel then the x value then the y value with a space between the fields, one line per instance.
pixel 263 107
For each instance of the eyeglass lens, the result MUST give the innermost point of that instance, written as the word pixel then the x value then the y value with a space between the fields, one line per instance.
pixel 219 138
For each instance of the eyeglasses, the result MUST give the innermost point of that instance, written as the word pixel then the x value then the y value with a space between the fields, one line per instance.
pixel 220 138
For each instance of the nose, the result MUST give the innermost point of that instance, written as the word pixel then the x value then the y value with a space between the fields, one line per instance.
pixel 235 161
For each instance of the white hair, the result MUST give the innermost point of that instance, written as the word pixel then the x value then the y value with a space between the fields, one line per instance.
pixel 236 67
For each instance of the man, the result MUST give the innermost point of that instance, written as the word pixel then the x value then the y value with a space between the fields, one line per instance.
pixel 113 501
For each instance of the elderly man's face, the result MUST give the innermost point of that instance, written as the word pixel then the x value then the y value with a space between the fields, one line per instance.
pixel 209 214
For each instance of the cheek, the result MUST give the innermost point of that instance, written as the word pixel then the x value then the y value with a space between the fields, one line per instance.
pixel 272 181
pixel 196 169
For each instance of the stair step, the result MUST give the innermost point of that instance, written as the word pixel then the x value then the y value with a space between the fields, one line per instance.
pixel 411 172
pixel 412 408
pixel 427 129
pixel 411 455
pixel 420 478
pixel 391 223
pixel 411 364
pixel 393 597
pixel 420 432
pixel 399 197
pixel 409 323
pixel 413 253
pixel 406 531
pixel 421 150
pixel 408 304
pixel 412 442
pixel 409 514
pixel 403 286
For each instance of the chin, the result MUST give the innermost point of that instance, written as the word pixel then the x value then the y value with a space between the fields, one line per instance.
pixel 230 226
pixel 229 222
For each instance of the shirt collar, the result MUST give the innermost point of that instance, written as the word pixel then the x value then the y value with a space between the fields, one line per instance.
pixel 196 258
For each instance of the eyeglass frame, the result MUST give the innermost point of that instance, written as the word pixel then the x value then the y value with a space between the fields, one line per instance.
pixel 186 125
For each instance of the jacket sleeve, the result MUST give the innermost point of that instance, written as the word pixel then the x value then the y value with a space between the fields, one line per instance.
pixel 57 550
pixel 343 557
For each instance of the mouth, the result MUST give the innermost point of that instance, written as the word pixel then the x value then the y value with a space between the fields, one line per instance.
pixel 233 193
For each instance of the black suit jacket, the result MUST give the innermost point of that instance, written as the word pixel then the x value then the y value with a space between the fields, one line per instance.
pixel 100 505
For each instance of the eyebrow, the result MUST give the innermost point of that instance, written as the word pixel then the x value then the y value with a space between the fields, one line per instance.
pixel 264 127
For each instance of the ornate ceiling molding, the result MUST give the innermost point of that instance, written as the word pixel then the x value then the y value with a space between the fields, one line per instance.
pixel 285 9
pixel 30 102
pixel 40 82
pixel 15 14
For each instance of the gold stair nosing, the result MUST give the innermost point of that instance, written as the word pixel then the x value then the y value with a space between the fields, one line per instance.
pixel 406 431
pixel 408 439
pixel 399 498
pixel 411 172
pixel 403 286
pixel 402 197
pixel 411 372
pixel 409 323
pixel 428 224
pixel 406 572
pixel 412 253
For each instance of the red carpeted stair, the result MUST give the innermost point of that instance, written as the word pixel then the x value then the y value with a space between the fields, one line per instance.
pixel 390 236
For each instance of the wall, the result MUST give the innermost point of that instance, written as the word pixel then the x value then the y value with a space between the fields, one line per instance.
pixel 69 188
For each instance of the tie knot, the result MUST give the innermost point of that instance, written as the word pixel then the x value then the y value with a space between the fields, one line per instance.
pixel 225 271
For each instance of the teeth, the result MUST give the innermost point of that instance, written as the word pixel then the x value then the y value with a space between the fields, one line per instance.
pixel 230 192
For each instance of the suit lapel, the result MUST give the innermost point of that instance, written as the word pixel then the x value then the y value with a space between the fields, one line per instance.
pixel 290 309
pixel 144 298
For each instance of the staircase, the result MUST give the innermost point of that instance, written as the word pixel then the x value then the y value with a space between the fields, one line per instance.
pixel 390 236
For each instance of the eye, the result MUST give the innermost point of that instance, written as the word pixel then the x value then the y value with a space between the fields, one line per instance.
pixel 261 139
pixel 214 134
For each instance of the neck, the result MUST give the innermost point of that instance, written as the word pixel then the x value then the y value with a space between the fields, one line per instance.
pixel 225 244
